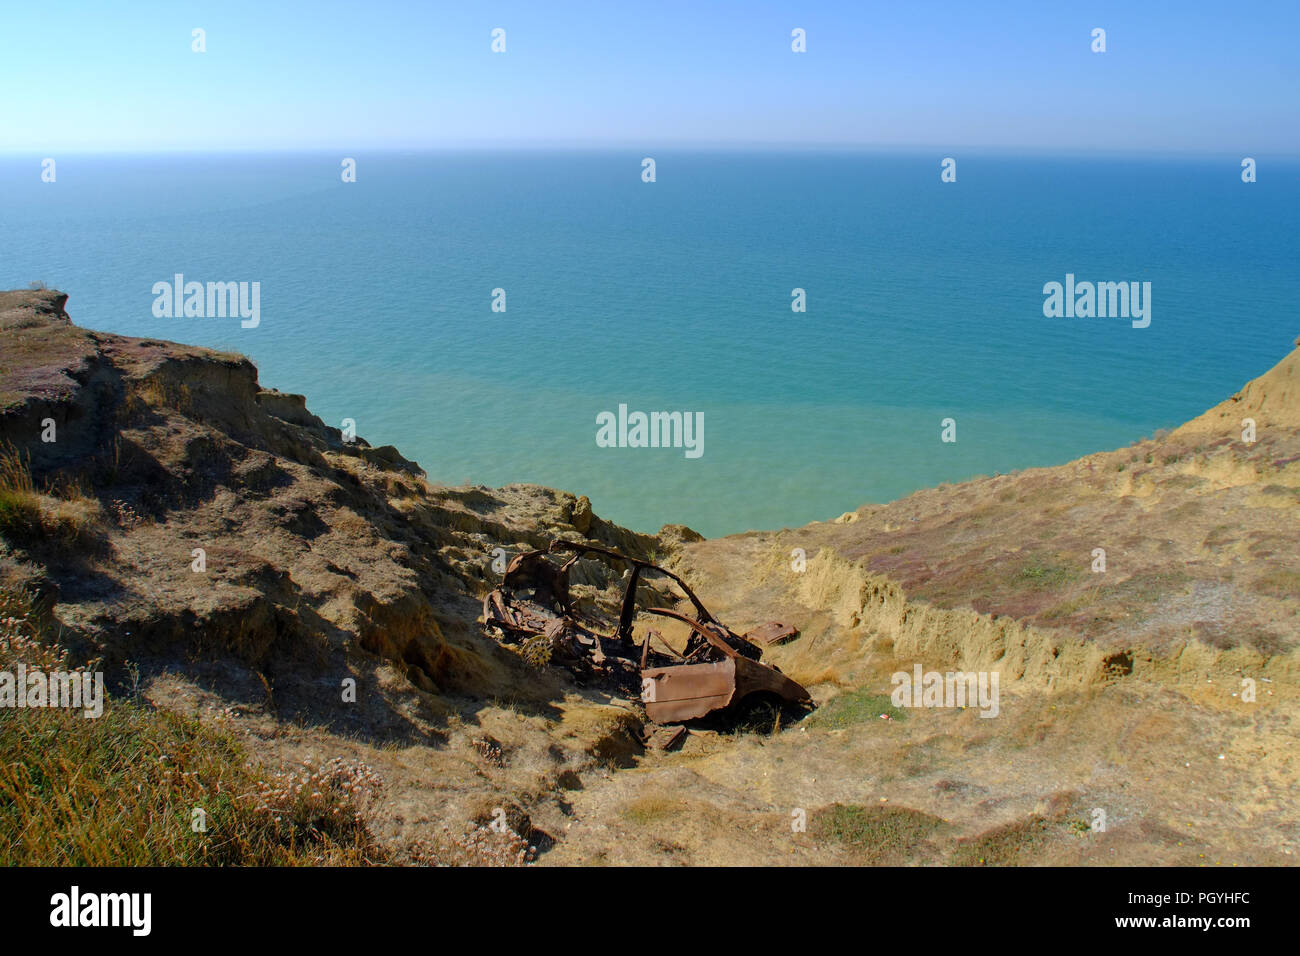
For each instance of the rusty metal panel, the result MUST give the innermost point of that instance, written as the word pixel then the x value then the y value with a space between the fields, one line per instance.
pixel 691 690
pixel 754 678
pixel 773 632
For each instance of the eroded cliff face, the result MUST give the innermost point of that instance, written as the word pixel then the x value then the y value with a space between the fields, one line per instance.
pixel 191 519
pixel 1176 559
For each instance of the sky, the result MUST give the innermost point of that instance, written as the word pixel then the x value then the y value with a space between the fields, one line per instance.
pixel 1176 77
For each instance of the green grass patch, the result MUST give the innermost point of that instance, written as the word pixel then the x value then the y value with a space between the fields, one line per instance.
pixel 1043 575
pixel 880 834
pixel 1014 844
pixel 853 707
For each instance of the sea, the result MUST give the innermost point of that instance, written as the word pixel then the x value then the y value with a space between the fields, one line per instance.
pixel 485 310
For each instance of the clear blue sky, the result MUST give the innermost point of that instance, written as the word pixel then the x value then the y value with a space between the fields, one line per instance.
pixel 1191 75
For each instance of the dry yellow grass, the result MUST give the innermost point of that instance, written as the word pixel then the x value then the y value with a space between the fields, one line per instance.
pixel 62 514
pixel 123 789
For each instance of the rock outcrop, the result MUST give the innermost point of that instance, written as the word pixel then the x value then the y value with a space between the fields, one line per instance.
pixel 206 523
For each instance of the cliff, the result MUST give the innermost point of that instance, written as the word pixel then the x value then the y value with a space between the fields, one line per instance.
pixel 320 559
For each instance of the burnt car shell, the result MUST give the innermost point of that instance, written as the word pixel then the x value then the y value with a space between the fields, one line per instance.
pixel 716 670
pixel 680 692
pixel 687 691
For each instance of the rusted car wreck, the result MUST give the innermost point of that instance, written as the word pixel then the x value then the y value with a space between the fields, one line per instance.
pixel 716 670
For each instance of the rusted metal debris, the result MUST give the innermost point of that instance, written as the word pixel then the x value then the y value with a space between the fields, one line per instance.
pixel 664 738
pixel 772 633
pixel 717 668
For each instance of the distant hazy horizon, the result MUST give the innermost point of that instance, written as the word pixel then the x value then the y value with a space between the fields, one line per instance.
pixel 402 74
pixel 637 150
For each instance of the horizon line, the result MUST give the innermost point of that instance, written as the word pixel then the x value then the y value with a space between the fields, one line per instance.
pixel 762 146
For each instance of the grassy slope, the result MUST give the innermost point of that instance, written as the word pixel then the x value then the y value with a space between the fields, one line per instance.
pixel 123 789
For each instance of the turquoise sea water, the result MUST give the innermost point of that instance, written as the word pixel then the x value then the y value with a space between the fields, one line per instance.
pixel 924 302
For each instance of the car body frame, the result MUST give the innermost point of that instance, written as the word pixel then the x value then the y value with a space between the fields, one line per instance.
pixel 717 670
